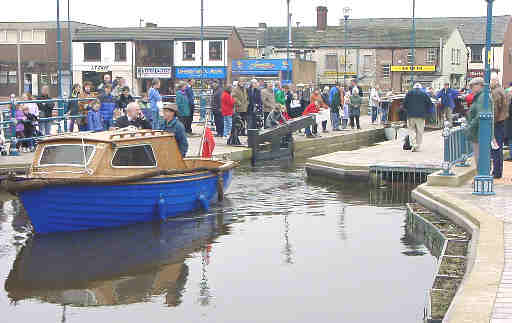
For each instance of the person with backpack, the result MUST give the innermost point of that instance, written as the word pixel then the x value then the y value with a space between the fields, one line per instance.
pixel 417 105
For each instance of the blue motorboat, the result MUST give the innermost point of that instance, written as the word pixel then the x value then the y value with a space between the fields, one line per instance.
pixel 115 178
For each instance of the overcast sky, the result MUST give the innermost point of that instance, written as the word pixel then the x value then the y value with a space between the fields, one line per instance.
pixel 119 13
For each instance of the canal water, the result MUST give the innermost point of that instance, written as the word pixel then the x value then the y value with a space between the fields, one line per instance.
pixel 278 249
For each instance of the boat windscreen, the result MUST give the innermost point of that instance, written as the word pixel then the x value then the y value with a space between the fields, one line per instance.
pixel 66 155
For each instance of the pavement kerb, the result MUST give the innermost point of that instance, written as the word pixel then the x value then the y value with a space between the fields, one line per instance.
pixel 474 301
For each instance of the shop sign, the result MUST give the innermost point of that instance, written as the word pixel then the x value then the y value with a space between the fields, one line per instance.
pixel 260 66
pixel 164 72
pixel 195 72
pixel 334 74
pixel 415 68
pixel 99 68
pixel 476 73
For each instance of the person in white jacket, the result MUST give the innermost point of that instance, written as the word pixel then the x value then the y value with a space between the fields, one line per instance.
pixel 374 102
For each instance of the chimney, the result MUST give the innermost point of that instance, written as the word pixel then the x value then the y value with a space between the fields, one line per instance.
pixel 150 25
pixel 262 25
pixel 321 18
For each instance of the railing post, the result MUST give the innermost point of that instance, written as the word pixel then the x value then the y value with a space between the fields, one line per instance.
pixel 13 151
pixel 447 151
pixel 64 113
pixel 465 146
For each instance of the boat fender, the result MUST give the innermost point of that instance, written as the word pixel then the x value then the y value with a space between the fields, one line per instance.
pixel 220 186
pixel 162 208
pixel 205 204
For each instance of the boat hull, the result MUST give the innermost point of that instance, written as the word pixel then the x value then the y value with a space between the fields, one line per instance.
pixel 69 208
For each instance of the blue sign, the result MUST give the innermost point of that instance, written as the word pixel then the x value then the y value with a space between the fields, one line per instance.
pixel 260 66
pixel 195 72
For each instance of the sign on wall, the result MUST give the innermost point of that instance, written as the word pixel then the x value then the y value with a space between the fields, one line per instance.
pixel 164 72
pixel 98 68
pixel 476 73
pixel 260 66
pixel 195 72
pixel 416 68
pixel 331 73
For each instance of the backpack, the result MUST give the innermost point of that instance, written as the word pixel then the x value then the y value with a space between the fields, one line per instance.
pixel 407 143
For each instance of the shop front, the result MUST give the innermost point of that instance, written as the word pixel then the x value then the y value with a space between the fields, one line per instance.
pixel 146 74
pixel 278 70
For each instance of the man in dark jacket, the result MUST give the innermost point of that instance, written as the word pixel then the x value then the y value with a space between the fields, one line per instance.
pixel 499 100
pixel 216 107
pixel 255 103
pixel 189 92
pixel 417 105
pixel 45 111
pixel 173 125
pixel 124 99
pixel 134 117
pixel 447 96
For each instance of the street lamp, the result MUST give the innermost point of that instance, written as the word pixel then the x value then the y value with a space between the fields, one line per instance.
pixel 289 44
pixel 346 13
pixel 413 40
pixel 484 182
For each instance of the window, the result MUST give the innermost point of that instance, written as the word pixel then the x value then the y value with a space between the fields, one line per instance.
pixel 3 77
pixel 66 155
pixel 120 52
pixel 40 36
pixel 215 50
pixel 453 56
pixel 331 61
pixel 92 52
pixel 458 57
pixel 44 79
pixel 386 71
pixel 12 36
pixel 3 36
pixel 431 58
pixel 189 51
pixel 54 78
pixel 12 77
pixel 26 36
pixel 367 62
pixel 476 54
pixel 134 156
pixel 410 58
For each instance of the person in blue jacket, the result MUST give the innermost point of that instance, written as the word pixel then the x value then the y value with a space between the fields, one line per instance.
pixel 155 102
pixel 108 104
pixel 173 125
pixel 447 96
pixel 94 118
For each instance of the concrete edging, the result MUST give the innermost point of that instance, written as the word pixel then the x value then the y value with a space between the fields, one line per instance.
pixel 474 301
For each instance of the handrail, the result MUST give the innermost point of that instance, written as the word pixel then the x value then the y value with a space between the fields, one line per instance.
pixel 457 147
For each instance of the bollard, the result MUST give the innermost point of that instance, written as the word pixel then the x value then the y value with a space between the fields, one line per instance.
pixel 447 151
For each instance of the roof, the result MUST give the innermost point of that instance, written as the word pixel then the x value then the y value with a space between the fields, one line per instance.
pixel 334 36
pixel 380 32
pixel 152 33
pixel 43 25
pixel 109 136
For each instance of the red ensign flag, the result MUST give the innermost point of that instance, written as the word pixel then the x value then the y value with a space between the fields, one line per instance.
pixel 208 143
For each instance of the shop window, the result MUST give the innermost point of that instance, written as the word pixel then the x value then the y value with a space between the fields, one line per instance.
pixel 331 61
pixel 12 36
pixel 476 54
pixel 40 36
pixel 26 36
pixel 386 71
pixel 13 78
pixel 431 58
pixel 189 51
pixel 120 52
pixel 3 77
pixel 3 36
pixel 92 52
pixel 216 50
pixel 134 156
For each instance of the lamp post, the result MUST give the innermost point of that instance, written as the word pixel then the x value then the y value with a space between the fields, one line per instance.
pixel 346 13
pixel 289 44
pixel 413 39
pixel 70 54
pixel 484 182
pixel 59 63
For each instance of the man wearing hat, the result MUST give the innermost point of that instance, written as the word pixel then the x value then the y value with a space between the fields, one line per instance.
pixel 417 105
pixel 173 125
pixel 447 96
pixel 473 129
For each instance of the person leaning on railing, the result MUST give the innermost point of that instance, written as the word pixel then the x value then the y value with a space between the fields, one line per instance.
pixel 45 111
pixel 472 130
pixel 84 106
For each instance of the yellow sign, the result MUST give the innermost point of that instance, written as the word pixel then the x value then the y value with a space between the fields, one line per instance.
pixel 489 57
pixel 416 68
pixel 332 73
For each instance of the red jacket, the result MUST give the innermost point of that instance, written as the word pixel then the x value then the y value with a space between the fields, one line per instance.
pixel 469 99
pixel 227 104
pixel 312 108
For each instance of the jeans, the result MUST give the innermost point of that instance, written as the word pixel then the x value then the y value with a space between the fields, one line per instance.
pixel 356 119
pixel 155 119
pixel 202 113
pixel 71 124
pixel 219 123
pixel 251 120
pixel 228 124
pixel 107 124
pixel 344 123
pixel 45 127
pixel 375 113
pixel 497 155
pixel 335 120
pixel 82 127
pixel 384 111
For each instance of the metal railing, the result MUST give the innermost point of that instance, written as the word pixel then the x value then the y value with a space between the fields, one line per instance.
pixel 8 125
pixel 457 147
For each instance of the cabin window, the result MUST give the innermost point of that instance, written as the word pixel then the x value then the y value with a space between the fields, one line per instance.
pixel 66 155
pixel 134 156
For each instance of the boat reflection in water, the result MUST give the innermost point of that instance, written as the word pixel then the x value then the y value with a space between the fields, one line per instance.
pixel 111 267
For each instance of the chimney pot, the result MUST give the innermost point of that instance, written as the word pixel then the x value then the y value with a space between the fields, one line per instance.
pixel 262 25
pixel 321 18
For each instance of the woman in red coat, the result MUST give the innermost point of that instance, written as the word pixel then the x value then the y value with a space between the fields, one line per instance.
pixel 227 108
pixel 313 108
